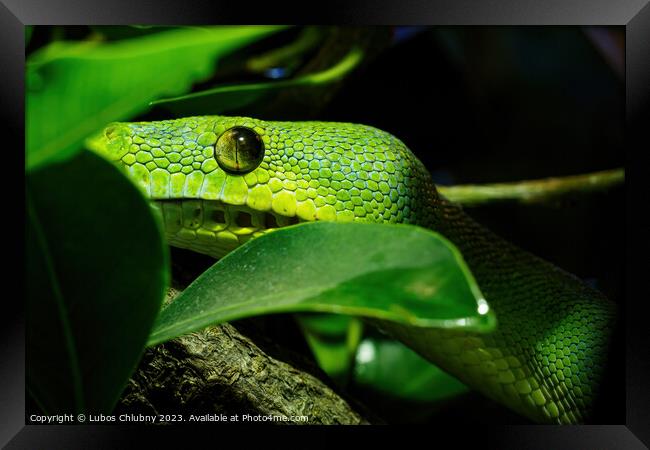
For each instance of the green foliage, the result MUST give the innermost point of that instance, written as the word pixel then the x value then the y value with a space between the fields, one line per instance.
pixel 28 34
pixel 97 262
pixel 75 88
pixel 416 277
pixel 119 32
pixel 97 271
pixel 333 340
pixel 227 98
pixel 395 370
pixel 289 56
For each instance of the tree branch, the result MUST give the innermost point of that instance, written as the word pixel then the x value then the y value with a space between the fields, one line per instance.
pixel 220 371
pixel 532 190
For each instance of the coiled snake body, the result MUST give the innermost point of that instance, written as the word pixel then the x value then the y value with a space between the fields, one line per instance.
pixel 221 181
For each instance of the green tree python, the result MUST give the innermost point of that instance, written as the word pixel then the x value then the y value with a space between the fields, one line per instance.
pixel 220 181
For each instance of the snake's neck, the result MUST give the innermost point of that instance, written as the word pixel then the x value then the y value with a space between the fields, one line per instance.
pixel 549 351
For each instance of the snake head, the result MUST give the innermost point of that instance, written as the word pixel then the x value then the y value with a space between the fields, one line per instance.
pixel 113 142
pixel 236 174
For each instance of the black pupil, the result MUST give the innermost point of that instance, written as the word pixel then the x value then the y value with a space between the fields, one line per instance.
pixel 249 144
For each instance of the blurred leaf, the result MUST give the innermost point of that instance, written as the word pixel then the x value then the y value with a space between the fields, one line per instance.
pixel 390 367
pixel 227 98
pixel 118 32
pixel 415 277
pixel 333 339
pixel 74 88
pixel 288 56
pixel 97 271
pixel 29 29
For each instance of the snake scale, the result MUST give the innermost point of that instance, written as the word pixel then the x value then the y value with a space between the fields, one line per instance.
pixel 220 181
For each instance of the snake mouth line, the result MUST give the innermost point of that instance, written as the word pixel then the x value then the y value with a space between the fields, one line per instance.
pixel 216 216
pixel 213 227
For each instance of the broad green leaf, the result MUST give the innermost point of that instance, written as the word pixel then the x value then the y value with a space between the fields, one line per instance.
pixel 74 88
pixel 97 271
pixel 333 339
pixel 233 97
pixel 415 277
pixel 393 369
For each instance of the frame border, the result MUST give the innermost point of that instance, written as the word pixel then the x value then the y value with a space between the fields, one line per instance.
pixel 633 14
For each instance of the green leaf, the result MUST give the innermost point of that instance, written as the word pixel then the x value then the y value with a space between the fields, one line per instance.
pixel 415 277
pixel 333 339
pixel 118 32
pixel 290 55
pixel 74 88
pixel 97 270
pixel 236 96
pixel 395 370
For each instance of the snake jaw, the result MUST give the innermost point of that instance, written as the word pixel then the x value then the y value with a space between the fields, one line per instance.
pixel 215 228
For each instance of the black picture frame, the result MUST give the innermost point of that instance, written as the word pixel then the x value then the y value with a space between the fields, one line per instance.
pixel 634 15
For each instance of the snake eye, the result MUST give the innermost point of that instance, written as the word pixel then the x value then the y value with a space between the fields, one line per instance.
pixel 239 150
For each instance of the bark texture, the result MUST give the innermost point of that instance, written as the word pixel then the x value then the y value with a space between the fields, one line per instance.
pixel 219 371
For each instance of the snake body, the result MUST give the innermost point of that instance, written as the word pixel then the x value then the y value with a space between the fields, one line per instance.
pixel 546 358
